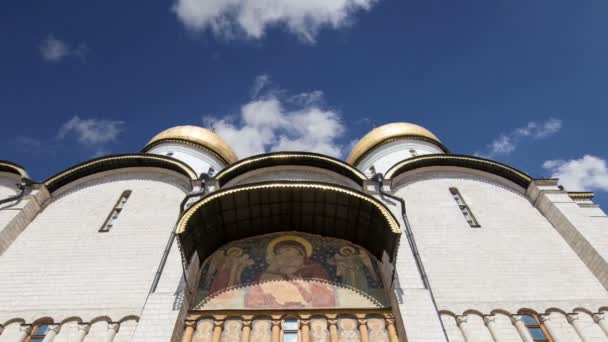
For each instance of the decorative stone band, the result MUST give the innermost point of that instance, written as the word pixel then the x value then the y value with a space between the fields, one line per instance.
pixel 384 324
pixel 581 195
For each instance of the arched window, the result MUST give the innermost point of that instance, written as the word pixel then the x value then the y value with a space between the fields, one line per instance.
pixel 39 331
pixel 535 327
pixel 290 330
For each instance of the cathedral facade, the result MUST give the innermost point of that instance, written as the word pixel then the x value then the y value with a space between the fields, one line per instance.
pixel 403 241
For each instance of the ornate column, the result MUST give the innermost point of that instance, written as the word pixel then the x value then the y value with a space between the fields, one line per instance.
pixel 246 332
pixel 24 331
pixel 550 326
pixel 52 332
pixel 600 319
pixel 463 324
pixel 276 330
pixel 523 331
pixel 390 328
pixel 189 327
pixel 305 329
pixel 490 322
pixel 113 328
pixel 217 330
pixel 333 329
pixel 83 330
pixel 574 321
pixel 363 329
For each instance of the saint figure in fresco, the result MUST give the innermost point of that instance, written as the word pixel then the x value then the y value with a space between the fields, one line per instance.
pixel 226 267
pixel 289 278
pixel 351 265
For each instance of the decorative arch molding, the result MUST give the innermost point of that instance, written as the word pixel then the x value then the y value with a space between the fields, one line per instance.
pixel 518 177
pixel 290 159
pixel 115 162
pixel 10 167
pixel 326 209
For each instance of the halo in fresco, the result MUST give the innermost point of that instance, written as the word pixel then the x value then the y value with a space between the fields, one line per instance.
pixel 290 270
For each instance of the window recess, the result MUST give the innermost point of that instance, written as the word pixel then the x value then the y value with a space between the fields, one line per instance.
pixel 116 211
pixel 464 208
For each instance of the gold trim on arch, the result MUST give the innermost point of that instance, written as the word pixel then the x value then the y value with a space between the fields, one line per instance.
pixel 21 171
pixel 103 160
pixel 285 155
pixel 183 222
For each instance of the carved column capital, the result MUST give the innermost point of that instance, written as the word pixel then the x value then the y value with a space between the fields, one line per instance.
pixel 362 321
pixel 572 317
pixel 190 324
pixel 26 328
pixel 461 319
pixel 218 323
pixel 305 322
pixel 544 318
pixel 54 327
pixel 84 327
pixel 597 317
pixel 489 319
pixel 247 323
pixel 114 326
pixel 276 323
pixel 516 318
pixel 332 321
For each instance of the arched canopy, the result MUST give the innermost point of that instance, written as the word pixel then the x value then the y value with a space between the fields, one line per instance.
pixel 261 208
pixel 115 162
pixel 290 158
pixel 490 166
pixel 9 167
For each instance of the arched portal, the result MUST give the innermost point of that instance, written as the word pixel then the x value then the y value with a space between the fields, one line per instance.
pixel 289 261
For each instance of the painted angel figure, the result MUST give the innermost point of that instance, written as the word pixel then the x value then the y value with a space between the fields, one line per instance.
pixel 226 268
pixel 351 264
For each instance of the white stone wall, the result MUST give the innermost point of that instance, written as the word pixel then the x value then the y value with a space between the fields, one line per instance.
pixel 61 266
pixel 515 260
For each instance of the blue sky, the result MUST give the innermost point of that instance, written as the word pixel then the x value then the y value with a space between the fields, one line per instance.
pixel 523 82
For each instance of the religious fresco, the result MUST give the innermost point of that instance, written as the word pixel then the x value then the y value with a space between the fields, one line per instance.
pixel 290 270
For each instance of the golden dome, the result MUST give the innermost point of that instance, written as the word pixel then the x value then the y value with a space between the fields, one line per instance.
pixel 199 136
pixel 386 133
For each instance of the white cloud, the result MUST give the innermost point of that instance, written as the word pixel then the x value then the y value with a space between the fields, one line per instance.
pixel 589 173
pixel 91 132
pixel 53 49
pixel 273 122
pixel 508 142
pixel 230 18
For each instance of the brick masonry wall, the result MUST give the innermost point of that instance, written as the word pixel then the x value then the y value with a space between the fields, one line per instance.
pixel 515 260
pixel 61 266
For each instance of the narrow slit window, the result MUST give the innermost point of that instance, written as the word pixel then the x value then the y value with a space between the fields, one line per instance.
pixel 413 152
pixel 464 208
pixel 290 330
pixel 115 213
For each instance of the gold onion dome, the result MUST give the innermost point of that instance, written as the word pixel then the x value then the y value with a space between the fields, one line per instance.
pixel 198 136
pixel 390 132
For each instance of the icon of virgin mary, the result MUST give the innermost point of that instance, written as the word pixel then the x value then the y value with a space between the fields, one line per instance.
pixel 291 278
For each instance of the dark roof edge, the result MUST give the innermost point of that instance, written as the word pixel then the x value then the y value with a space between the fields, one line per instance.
pixel 471 162
pixel 114 162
